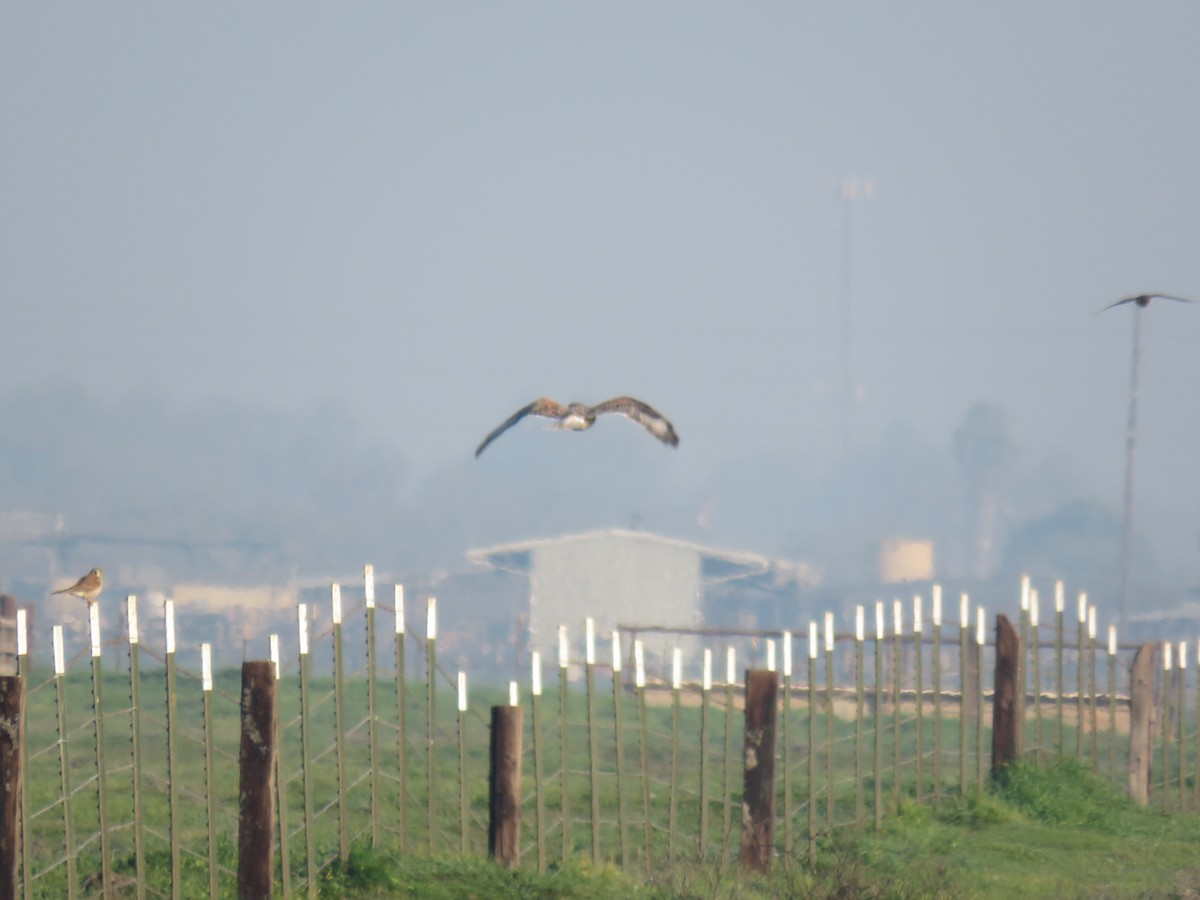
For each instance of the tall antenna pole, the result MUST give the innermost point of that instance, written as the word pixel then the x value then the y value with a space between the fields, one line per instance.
pixel 1130 448
pixel 852 189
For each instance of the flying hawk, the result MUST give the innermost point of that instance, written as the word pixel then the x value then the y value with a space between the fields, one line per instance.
pixel 580 417
pixel 88 587
pixel 1142 300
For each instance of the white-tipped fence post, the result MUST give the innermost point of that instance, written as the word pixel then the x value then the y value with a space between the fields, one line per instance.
pixel 1111 670
pixel 897 674
pixel 619 738
pixel 936 659
pixel 859 637
pixel 1059 604
pixel 727 812
pixel 829 720
pixel 1035 657
pixel 980 644
pixel 462 756
pixel 812 740
pixel 173 824
pixel 430 718
pixel 563 728
pixel 919 684
pixel 878 715
pixel 589 672
pixel 639 681
pixel 1081 677
pixel 306 759
pixel 135 732
pixel 401 718
pixel 787 739
pixel 676 685
pixel 535 690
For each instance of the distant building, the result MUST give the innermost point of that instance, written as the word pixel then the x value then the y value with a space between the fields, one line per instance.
pixel 905 559
pixel 616 577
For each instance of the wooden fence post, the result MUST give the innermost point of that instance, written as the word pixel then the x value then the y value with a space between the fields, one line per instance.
pixel 1141 707
pixel 8 634
pixel 504 786
pixel 256 825
pixel 758 791
pixel 1006 708
pixel 11 719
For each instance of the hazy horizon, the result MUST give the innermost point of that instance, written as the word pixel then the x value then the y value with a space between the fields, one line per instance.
pixel 402 223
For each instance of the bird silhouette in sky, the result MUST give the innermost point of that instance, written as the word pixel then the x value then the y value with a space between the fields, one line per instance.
pixel 88 587
pixel 580 417
pixel 1142 300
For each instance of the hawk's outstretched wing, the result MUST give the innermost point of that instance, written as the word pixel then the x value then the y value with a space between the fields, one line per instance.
pixel 1142 300
pixel 644 415
pixel 543 406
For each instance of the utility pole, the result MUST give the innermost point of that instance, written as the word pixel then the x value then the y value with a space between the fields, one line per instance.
pixel 1130 448
pixel 852 188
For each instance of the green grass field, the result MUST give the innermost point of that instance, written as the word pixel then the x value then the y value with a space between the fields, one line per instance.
pixel 1056 832
pixel 1061 831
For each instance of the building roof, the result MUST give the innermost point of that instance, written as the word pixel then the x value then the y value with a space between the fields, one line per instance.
pixel 715 565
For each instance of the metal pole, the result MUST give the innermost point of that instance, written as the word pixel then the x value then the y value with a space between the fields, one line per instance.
pixel 175 831
pixel 401 729
pixel 878 717
pixel 306 761
pixel 285 853
pixel 339 715
pixel 564 795
pixel 1035 651
pixel 937 694
pixel 727 812
pixel 964 624
pixel 23 671
pixel 209 772
pixel 622 818
pixel 981 644
pixel 1092 678
pixel 98 736
pixel 676 684
pixel 539 799
pixel 787 741
pixel 640 682
pixel 1130 448
pixel 1112 702
pixel 462 760
pixel 705 690
pixel 897 665
pixel 858 719
pixel 829 726
pixel 135 736
pixel 430 721
pixel 812 741
pixel 1058 663
pixel 372 710
pixel 64 762
pixel 593 752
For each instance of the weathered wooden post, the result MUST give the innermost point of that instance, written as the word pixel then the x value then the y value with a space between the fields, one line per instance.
pixel 1006 707
pixel 1141 706
pixel 8 634
pixel 256 788
pixel 758 786
pixel 11 719
pixel 504 786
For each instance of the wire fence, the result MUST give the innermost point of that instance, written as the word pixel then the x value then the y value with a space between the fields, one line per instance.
pixel 130 785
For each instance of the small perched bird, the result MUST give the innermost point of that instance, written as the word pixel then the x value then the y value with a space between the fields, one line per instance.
pixel 580 417
pixel 1142 300
pixel 88 587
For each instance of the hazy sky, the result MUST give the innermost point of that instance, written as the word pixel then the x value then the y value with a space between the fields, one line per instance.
pixel 432 213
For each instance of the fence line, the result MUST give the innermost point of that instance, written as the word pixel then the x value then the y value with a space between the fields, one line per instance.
pixel 873 722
